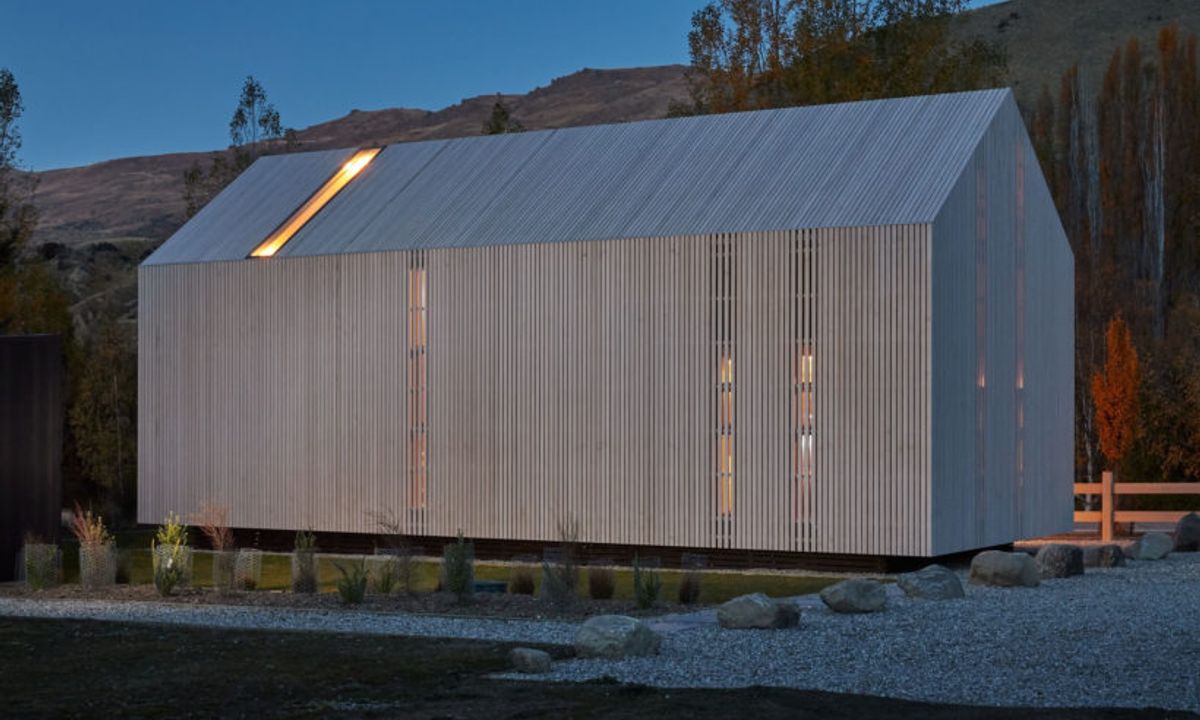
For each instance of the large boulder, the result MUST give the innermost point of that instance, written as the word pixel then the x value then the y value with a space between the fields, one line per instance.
pixel 855 596
pixel 1104 556
pixel 1059 561
pixel 757 611
pixel 932 582
pixel 1004 569
pixel 1187 533
pixel 1154 546
pixel 615 636
pixel 529 660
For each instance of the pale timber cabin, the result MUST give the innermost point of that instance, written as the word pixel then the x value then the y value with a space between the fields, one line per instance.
pixel 843 329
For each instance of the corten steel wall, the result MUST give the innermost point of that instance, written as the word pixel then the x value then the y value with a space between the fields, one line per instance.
pixel 1003 351
pixel 31 426
pixel 564 379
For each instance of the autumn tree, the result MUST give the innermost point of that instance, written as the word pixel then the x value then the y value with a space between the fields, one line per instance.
pixel 254 127
pixel 752 54
pixel 1115 392
pixel 501 120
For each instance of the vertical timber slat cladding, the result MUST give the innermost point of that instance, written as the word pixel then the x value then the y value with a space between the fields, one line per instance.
pixel 1028 309
pixel 770 382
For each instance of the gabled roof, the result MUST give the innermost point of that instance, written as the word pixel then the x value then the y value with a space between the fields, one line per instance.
pixel 879 162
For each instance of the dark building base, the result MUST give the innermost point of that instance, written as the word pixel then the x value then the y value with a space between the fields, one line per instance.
pixel 668 557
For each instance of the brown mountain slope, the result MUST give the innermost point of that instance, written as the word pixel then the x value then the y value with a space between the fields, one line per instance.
pixel 1045 37
pixel 140 197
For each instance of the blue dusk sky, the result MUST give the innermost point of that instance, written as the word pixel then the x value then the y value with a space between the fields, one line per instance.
pixel 103 80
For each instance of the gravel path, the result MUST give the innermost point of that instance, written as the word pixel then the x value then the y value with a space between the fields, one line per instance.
pixel 1125 637
pixel 268 618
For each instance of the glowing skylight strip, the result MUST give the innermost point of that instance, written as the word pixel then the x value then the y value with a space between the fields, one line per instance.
pixel 313 205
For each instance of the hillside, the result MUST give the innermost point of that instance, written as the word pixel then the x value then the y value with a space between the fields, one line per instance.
pixel 141 197
pixel 98 221
pixel 1045 37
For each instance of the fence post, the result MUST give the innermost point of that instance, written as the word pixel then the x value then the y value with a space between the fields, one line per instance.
pixel 1107 506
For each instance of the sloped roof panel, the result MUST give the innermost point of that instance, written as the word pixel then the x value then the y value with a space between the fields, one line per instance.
pixel 879 162
pixel 231 225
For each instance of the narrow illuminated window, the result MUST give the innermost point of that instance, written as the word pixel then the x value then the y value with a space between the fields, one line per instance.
pixel 802 387
pixel 313 205
pixel 726 403
pixel 418 402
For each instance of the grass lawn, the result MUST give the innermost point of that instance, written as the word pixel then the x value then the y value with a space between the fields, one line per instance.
pixel 87 669
pixel 716 587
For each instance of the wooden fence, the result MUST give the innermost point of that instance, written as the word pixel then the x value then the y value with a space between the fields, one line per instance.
pixel 1108 514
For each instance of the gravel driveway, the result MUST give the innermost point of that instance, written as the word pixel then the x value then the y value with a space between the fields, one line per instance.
pixel 1127 637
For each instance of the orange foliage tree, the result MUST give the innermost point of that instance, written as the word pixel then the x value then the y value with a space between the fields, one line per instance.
pixel 1115 393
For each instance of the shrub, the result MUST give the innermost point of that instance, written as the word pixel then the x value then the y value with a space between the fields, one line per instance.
pixel 394 543
pixel 213 521
pixel 386 574
pixel 304 563
pixel 689 588
pixel 646 586
pixel 170 555
pixel 520 578
pixel 458 568
pixel 247 569
pixel 97 556
pixel 560 567
pixel 41 563
pixel 89 528
pixel 602 582
pixel 352 585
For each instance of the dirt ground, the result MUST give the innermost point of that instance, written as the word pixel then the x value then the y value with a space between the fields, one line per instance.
pixel 55 668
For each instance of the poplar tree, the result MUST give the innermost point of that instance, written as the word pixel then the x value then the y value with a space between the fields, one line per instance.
pixel 1115 391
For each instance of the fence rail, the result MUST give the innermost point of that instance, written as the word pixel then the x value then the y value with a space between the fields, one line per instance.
pixel 1108 514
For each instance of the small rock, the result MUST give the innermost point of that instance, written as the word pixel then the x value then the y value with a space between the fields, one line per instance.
pixel 1004 569
pixel 932 582
pixel 1104 556
pixel 1059 561
pixel 855 596
pixel 614 637
pixel 1154 546
pixel 1187 533
pixel 757 611
pixel 529 660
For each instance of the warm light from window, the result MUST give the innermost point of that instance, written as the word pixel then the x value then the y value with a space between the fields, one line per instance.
pixel 313 205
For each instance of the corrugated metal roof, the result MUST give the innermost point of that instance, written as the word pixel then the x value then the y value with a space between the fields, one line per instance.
pixel 881 162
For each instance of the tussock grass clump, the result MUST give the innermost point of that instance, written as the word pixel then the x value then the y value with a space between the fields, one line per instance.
pixel 304 563
pixel 41 563
pixel 395 544
pixel 602 582
pixel 520 577
pixel 385 575
pixel 647 584
pixel 458 568
pixel 352 585
pixel 689 588
pixel 560 566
